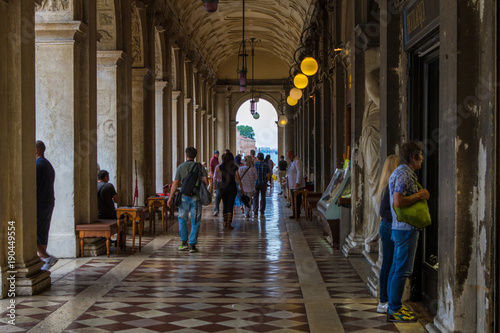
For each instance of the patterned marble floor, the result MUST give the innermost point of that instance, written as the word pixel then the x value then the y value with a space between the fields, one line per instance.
pixel 269 274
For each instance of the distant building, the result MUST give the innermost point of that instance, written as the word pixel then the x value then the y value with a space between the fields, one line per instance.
pixel 244 144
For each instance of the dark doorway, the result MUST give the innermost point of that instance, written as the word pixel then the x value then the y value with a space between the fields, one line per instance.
pixel 424 126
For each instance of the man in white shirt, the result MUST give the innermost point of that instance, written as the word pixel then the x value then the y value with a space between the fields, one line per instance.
pixel 296 180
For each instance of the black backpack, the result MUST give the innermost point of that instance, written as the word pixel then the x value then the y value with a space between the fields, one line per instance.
pixel 191 182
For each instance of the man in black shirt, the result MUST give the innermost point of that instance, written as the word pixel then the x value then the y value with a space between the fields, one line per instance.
pixel 45 176
pixel 106 197
pixel 282 166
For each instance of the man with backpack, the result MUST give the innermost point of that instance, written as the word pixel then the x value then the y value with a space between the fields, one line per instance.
pixel 188 175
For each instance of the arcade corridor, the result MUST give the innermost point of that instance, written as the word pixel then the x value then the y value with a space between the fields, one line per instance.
pixel 267 275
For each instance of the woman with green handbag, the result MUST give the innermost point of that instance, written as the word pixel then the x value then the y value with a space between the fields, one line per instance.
pixel 385 230
pixel 404 192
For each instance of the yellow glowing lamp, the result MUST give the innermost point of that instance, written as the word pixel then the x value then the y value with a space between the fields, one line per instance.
pixel 291 101
pixel 300 81
pixel 309 66
pixel 282 120
pixel 296 93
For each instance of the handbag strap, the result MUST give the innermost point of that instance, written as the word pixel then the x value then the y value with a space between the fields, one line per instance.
pixel 244 173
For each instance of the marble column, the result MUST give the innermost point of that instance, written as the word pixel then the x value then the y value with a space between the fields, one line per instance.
pixel 318 170
pixel 203 137
pixel 162 139
pixel 189 106
pixel 220 102
pixel 291 131
pixel 114 135
pixel 232 136
pixel 188 122
pixel 139 106
pixel 215 135
pixel 17 172
pixel 210 132
pixel 66 118
pixel 327 166
pixel 177 129
pixel 281 141
pixel 227 131
pixel 355 241
pixel 197 131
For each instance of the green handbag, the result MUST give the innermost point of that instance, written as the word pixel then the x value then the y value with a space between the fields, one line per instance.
pixel 416 215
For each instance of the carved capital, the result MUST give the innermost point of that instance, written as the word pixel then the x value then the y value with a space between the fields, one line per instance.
pixel 175 95
pixel 110 58
pixel 160 85
pixel 63 32
pixel 138 74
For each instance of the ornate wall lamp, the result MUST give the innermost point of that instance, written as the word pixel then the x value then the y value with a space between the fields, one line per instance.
pixel 210 5
pixel 253 102
pixel 282 119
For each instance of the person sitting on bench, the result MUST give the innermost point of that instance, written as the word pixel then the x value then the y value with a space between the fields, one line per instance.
pixel 106 197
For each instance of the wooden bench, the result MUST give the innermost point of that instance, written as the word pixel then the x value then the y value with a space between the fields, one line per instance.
pixel 101 228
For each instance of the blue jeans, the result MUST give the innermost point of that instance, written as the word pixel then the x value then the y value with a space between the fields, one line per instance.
pixel 190 205
pixel 261 190
pixel 218 198
pixel 405 248
pixel 385 232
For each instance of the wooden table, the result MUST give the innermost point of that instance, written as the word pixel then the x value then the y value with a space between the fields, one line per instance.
pixel 101 228
pixel 153 203
pixel 136 215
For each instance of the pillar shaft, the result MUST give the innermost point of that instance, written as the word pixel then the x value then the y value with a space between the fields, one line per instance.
pixel 66 121
pixel 177 129
pixel 114 122
pixel 18 173
pixel 162 141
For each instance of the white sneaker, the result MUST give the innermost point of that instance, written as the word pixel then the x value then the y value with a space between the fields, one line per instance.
pixel 49 262
pixel 382 307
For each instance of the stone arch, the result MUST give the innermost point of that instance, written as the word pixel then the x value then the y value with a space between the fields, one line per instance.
pixel 271 98
pixel 236 103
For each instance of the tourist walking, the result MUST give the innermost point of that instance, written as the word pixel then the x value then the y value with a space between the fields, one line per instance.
pixel 228 178
pixel 295 178
pixel 248 175
pixel 263 176
pixel 190 205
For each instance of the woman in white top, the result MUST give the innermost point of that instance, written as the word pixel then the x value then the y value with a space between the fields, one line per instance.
pixel 248 176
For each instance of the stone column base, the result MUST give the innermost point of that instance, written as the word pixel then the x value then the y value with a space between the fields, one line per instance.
pixel 353 246
pixel 373 281
pixel 94 246
pixel 30 280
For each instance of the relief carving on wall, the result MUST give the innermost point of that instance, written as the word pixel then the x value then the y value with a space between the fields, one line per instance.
pixel 105 19
pixel 105 36
pixel 105 4
pixel 158 54
pixel 53 6
pixel 136 38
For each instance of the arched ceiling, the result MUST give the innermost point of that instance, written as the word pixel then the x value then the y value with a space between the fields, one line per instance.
pixel 276 23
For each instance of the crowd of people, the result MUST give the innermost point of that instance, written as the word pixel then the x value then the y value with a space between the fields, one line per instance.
pixel 243 182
